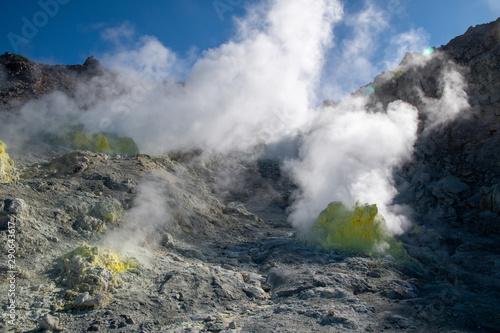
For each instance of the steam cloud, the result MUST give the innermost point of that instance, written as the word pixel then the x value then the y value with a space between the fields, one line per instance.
pixel 262 86
pixel 150 212
pixel 349 156
pixel 257 87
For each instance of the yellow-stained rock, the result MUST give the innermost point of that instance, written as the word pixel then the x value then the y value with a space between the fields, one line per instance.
pixel 96 257
pixel 89 269
pixel 122 145
pixel 109 211
pixel 100 143
pixel 7 170
pixel 358 229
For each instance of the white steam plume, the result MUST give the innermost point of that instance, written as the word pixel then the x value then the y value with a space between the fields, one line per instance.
pixel 352 151
pixel 142 222
pixel 370 47
pixel 454 99
pixel 49 115
pixel 257 87
pixel 349 156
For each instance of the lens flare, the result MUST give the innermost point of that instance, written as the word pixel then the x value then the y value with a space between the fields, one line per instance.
pixel 428 52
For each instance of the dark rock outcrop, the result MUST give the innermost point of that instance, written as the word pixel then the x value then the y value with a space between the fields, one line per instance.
pixel 457 157
pixel 22 80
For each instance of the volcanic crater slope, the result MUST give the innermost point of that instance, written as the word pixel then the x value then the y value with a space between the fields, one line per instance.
pixel 136 243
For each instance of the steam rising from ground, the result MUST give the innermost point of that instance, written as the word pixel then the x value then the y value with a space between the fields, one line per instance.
pixel 452 103
pixel 349 156
pixel 149 213
pixel 259 87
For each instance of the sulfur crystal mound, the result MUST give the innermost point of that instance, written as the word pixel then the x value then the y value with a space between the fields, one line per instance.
pixel 78 138
pixel 7 171
pixel 94 270
pixel 96 257
pixel 359 229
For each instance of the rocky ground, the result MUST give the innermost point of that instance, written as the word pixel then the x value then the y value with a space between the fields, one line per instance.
pixel 214 266
pixel 192 253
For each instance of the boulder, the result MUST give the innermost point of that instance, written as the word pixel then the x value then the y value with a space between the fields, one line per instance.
pixel 80 300
pixel 399 289
pixel 490 198
pixel 49 323
pixel 96 301
pixel 450 186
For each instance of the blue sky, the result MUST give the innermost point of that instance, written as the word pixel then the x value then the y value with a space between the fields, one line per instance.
pixel 68 31
pixel 73 32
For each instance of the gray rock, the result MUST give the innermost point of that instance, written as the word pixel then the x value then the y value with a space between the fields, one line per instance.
pixel 215 327
pixel 89 223
pixel 374 274
pixel 49 323
pixel 16 207
pixel 487 215
pixel 421 178
pixel 253 279
pixel 278 277
pixel 81 299
pixel 254 292
pixel 399 289
pixel 332 320
pixel 398 320
pixel 128 319
pixel 238 209
pixel 93 328
pixel 167 241
pixel 332 292
pixel 96 301
pixel 203 288
pixel 191 252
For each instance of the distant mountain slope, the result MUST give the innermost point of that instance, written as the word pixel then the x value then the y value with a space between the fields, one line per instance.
pixel 22 80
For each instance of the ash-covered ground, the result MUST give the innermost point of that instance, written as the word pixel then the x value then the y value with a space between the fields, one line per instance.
pixel 194 240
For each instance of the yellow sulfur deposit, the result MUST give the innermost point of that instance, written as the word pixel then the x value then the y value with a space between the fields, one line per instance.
pixel 358 229
pixel 93 270
pixel 108 211
pixel 84 141
pixel 7 170
pixel 95 257
pixel 122 145
pixel 100 143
